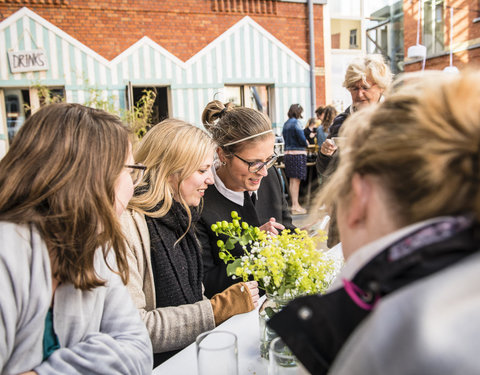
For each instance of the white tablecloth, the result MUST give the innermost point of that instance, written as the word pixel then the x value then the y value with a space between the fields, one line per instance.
pixel 246 327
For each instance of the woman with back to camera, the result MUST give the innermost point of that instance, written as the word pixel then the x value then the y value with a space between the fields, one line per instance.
pixel 408 208
pixel 295 158
pixel 164 253
pixel 243 182
pixel 64 307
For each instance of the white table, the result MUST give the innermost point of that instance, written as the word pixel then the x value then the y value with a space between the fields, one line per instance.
pixel 246 327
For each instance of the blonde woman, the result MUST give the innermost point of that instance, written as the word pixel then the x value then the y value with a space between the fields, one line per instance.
pixel 366 80
pixel 408 208
pixel 166 268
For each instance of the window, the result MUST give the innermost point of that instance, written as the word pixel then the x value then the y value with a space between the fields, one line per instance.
pixel 353 38
pixel 433 26
pixel 149 105
pixel 249 96
pixel 19 103
pixel 385 34
pixel 346 33
pixel 336 41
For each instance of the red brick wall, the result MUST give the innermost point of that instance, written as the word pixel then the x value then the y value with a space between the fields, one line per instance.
pixel 319 52
pixel 464 29
pixel 183 27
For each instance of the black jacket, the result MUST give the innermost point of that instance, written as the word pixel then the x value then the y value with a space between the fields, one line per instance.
pixel 316 327
pixel 323 161
pixel 270 203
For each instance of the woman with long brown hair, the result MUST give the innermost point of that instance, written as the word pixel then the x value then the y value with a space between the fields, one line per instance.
pixel 64 307
pixel 328 115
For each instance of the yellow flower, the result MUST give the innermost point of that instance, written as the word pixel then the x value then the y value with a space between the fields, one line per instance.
pixel 287 263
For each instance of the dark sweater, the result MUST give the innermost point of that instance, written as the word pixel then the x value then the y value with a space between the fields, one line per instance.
pixel 270 203
pixel 317 338
pixel 177 266
pixel 326 164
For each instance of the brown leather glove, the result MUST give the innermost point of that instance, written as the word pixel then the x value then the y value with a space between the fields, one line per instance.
pixel 234 300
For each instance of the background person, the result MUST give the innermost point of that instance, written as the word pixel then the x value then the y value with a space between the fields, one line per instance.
pixel 310 130
pixel 318 113
pixel 295 157
pixel 408 213
pixel 328 115
pixel 366 79
pixel 64 307
pixel 243 182
pixel 164 253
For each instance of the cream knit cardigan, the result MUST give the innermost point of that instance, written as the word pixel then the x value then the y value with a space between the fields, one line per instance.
pixel 170 328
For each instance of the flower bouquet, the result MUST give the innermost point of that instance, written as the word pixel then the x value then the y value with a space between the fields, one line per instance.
pixel 285 266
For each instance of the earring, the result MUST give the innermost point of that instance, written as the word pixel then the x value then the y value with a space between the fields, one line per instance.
pixel 223 163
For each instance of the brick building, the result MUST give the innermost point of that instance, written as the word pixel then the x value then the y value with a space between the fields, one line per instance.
pixel 435 32
pixel 250 51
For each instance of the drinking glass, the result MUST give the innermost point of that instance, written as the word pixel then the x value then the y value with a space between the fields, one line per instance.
pixel 282 361
pixel 217 353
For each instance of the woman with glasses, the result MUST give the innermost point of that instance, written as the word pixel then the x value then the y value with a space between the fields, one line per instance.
pixel 366 79
pixel 166 269
pixel 64 308
pixel 243 181
pixel 295 155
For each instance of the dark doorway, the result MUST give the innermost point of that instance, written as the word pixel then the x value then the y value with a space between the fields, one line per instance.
pixel 160 107
pixel 17 104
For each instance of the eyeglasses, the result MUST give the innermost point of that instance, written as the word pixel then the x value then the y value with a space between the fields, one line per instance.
pixel 356 89
pixel 256 166
pixel 136 172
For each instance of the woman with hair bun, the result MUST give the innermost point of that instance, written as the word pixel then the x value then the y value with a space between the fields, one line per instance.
pixel 164 253
pixel 408 207
pixel 243 181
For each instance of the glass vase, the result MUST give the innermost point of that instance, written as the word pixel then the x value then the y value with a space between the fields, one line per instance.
pixel 270 306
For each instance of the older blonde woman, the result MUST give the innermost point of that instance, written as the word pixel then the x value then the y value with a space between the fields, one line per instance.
pixel 366 80
pixel 164 256
pixel 408 206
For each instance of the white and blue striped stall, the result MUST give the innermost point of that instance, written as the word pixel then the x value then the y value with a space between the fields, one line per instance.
pixel 244 54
